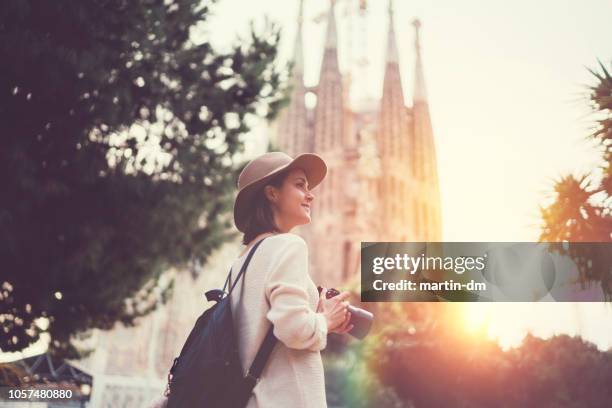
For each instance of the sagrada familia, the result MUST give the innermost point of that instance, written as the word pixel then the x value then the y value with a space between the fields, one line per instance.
pixel 382 185
pixel 382 182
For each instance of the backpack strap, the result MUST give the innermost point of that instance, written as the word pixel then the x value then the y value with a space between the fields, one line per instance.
pixel 261 358
pixel 227 280
pixel 263 354
pixel 243 269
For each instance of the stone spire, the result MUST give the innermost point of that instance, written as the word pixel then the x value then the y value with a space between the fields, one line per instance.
pixel 292 131
pixel 420 92
pixel 330 56
pixel 330 124
pixel 330 98
pixel 331 40
pixel 393 143
pixel 392 55
pixel 298 52
pixel 425 168
pixel 393 131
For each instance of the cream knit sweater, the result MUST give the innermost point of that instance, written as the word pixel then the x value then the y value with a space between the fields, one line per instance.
pixel 277 289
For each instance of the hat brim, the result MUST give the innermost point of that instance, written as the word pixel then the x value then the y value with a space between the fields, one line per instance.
pixel 313 165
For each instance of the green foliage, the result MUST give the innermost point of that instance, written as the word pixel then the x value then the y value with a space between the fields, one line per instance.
pixel 582 211
pixel 120 127
pixel 349 382
pixel 350 376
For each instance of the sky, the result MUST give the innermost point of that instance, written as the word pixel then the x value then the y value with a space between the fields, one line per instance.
pixel 507 83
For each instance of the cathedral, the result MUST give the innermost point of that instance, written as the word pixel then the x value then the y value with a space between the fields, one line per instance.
pixel 382 181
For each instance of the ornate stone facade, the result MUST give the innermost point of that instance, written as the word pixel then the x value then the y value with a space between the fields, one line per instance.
pixel 382 183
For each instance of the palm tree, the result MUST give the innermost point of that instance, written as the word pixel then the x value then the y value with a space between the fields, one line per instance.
pixel 582 211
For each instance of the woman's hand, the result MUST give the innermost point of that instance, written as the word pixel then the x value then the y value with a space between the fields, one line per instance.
pixel 335 312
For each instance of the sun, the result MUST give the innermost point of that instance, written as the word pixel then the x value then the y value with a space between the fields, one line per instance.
pixel 476 317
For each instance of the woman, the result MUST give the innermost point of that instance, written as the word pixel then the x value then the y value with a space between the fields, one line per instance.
pixel 274 197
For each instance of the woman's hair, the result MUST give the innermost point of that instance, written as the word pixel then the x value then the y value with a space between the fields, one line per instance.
pixel 261 218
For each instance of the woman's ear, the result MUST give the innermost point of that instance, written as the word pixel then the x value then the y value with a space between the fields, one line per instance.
pixel 271 193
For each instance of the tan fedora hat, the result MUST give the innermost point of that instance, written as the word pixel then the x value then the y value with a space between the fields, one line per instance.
pixel 263 168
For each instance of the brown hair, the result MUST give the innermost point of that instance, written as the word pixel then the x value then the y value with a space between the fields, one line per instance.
pixel 261 218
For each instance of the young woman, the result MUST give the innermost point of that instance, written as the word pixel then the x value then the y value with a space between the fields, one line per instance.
pixel 274 197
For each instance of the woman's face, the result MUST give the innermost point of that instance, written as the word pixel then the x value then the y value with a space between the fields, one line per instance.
pixel 291 203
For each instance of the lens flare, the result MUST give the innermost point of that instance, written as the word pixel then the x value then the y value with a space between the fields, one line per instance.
pixel 476 317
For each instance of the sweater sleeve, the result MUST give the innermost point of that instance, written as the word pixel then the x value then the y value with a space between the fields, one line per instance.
pixel 295 323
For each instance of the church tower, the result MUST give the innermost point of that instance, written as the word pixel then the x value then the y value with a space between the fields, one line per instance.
pixel 328 128
pixel 394 149
pixel 427 206
pixel 293 132
pixel 382 181
pixel 328 229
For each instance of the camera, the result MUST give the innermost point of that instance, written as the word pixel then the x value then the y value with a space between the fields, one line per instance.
pixel 360 319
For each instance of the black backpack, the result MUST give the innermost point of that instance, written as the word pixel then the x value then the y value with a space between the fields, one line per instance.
pixel 207 372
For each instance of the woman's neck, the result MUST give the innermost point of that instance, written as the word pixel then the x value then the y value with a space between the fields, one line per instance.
pixel 283 224
pixel 257 239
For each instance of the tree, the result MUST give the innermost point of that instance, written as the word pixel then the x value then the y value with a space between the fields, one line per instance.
pixel 440 365
pixel 582 211
pixel 120 129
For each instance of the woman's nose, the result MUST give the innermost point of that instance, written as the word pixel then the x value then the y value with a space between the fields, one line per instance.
pixel 310 196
